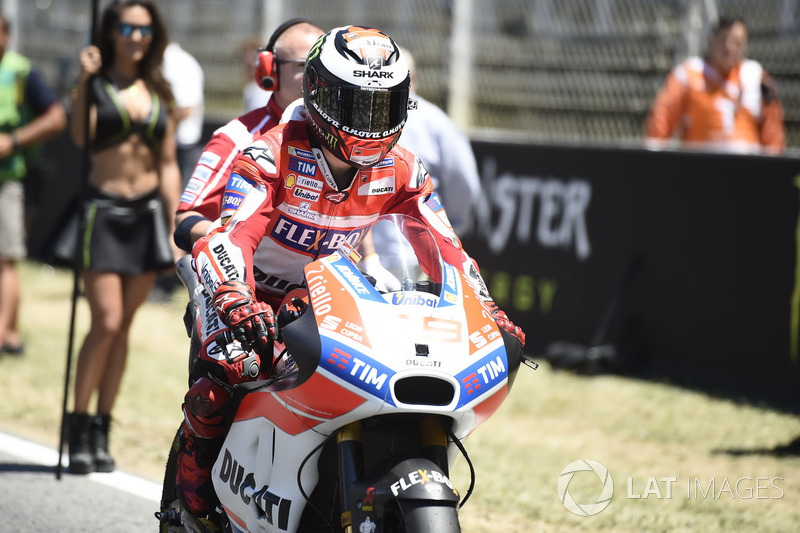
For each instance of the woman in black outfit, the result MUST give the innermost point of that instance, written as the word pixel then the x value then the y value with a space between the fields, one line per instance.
pixel 134 181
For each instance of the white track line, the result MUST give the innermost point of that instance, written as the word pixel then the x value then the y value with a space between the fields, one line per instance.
pixel 36 453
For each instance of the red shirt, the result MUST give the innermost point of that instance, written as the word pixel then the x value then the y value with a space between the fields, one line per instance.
pixel 204 190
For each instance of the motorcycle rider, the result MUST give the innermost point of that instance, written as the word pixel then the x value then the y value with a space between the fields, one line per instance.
pixel 293 195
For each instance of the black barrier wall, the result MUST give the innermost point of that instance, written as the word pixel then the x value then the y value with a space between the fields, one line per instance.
pixel 697 251
pixel 685 262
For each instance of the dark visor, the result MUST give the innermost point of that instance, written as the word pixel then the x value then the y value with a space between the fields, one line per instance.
pixel 364 110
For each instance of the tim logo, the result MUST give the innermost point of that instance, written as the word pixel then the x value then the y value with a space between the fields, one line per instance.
pixel 339 359
pixel 365 374
pixel 471 383
pixel 301 166
pixel 486 374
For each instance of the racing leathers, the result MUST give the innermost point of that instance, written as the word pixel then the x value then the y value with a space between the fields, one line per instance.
pixel 283 209
pixel 203 192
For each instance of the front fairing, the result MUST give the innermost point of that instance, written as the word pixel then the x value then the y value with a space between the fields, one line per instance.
pixel 428 346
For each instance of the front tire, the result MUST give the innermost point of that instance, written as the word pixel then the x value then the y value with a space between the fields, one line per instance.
pixel 411 516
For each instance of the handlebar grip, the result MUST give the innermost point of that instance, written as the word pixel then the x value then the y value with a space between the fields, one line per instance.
pixel 224 338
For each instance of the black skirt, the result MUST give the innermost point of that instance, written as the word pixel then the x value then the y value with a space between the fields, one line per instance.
pixel 123 235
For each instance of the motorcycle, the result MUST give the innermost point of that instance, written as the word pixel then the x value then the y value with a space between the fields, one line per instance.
pixel 374 387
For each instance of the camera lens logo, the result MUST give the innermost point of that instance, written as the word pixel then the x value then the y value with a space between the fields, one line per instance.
pixel 585 509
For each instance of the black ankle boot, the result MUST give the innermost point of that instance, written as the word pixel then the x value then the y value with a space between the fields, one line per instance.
pixel 103 462
pixel 81 460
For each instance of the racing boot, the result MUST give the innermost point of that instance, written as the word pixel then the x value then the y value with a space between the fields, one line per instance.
pixel 81 460
pixel 103 462
pixel 196 456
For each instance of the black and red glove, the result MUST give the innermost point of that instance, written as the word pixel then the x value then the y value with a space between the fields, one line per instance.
pixel 505 323
pixel 252 322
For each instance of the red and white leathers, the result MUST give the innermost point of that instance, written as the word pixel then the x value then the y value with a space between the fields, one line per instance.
pixel 282 209
pixel 203 192
pixel 740 113
pixel 287 211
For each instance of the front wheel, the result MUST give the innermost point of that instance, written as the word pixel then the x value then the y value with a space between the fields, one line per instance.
pixel 410 516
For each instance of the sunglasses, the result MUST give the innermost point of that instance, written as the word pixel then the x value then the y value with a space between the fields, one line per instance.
pixel 126 30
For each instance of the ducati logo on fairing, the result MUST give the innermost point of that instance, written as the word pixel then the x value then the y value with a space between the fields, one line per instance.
pixel 232 473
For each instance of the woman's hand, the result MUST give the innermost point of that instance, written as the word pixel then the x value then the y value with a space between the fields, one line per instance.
pixel 91 61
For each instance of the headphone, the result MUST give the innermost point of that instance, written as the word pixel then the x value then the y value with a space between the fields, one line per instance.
pixel 266 74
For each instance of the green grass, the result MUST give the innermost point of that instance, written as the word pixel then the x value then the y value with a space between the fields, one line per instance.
pixel 637 429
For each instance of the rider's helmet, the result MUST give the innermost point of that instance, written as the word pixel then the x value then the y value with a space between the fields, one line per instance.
pixel 355 91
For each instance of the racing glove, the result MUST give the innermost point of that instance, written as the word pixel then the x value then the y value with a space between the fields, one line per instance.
pixel 252 322
pixel 505 323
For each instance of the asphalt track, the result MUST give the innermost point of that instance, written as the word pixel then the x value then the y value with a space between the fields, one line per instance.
pixel 32 500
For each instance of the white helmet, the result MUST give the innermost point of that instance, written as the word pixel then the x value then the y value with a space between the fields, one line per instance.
pixel 355 90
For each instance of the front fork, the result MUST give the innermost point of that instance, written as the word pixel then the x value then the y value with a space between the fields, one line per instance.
pixel 351 466
pixel 433 440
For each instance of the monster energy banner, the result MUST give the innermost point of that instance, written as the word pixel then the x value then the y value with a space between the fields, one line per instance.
pixel 681 264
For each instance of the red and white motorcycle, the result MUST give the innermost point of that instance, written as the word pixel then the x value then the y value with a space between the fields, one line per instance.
pixel 370 400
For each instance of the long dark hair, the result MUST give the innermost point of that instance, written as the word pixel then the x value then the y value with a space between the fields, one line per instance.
pixel 150 67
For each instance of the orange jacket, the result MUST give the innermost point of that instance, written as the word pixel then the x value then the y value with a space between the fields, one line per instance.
pixel 740 113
